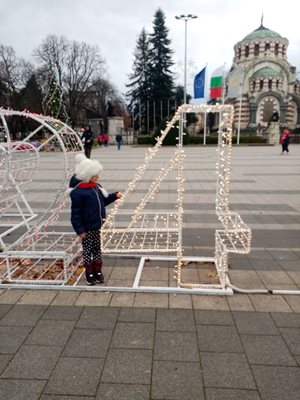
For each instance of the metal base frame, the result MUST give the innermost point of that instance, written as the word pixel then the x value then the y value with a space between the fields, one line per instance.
pixel 204 289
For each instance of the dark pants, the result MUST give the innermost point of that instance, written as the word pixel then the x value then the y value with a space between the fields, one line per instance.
pixel 88 150
pixel 285 147
pixel 91 246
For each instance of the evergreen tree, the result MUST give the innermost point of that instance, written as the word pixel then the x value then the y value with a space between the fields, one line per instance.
pixel 162 84
pixel 53 103
pixel 140 85
pixel 31 96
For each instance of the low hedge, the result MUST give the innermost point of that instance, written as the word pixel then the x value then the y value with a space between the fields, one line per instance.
pixel 171 140
pixel 144 139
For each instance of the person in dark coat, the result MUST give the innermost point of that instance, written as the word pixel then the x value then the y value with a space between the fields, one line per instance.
pixel 88 202
pixel 87 139
pixel 119 140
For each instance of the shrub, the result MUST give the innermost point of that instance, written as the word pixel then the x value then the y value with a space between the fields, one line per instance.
pixel 170 139
pixel 144 140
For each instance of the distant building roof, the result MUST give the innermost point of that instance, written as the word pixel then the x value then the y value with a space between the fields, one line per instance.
pixel 261 33
pixel 266 72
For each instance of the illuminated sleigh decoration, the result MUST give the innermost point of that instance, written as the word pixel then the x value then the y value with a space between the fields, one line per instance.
pixel 41 255
pixel 161 232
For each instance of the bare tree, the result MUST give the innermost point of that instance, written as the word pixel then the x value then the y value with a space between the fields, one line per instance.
pixel 83 65
pixel 51 54
pixel 75 65
pixel 9 73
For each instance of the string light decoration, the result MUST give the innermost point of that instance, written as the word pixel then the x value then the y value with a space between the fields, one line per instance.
pixel 41 255
pixel 53 102
pixel 149 232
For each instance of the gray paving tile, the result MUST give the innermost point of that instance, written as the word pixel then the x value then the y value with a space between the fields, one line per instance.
pixel 255 323
pixel 55 397
pixel 75 377
pixel 13 389
pixel 65 313
pixel 175 320
pixel 176 346
pixel 133 335
pixel 137 315
pixel 286 320
pixel 230 371
pixel 98 318
pixel 4 308
pixel 223 339
pixel 292 338
pixel 212 317
pixel 231 394
pixel 267 350
pixel 88 343
pixel 11 338
pixel 33 362
pixel 277 383
pixel 125 392
pixel 23 315
pixel 50 333
pixel 4 360
pixel 177 380
pixel 128 366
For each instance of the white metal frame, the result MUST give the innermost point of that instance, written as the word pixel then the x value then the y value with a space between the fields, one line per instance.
pixel 41 249
pixel 118 239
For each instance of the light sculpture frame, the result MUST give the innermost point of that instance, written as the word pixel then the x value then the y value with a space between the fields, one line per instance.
pixel 41 250
pixel 138 236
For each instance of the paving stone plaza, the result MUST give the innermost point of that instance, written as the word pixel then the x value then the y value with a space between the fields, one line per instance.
pixel 87 345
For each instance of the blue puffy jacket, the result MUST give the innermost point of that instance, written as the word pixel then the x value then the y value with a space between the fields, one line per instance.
pixel 88 206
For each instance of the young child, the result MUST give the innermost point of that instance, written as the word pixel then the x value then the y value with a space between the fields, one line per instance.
pixel 89 200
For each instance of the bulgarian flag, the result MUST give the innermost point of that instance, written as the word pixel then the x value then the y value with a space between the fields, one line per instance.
pixel 216 83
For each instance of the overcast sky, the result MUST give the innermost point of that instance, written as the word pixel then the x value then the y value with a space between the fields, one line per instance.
pixel 114 26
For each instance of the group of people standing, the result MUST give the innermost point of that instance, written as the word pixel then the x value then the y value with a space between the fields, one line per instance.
pixel 88 136
pixel 103 139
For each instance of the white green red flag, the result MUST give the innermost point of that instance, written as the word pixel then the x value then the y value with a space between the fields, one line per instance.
pixel 216 83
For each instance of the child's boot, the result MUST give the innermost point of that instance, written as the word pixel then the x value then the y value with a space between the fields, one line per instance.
pixel 98 276
pixel 89 274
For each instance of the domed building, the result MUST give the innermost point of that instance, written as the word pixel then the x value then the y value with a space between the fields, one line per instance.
pixel 269 82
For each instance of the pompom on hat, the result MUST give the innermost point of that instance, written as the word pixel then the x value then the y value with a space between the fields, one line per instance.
pixel 86 168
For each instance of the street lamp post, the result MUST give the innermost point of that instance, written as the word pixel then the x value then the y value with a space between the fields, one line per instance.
pixel 185 18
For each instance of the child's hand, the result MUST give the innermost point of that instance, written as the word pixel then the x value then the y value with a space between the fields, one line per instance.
pixel 82 235
pixel 118 195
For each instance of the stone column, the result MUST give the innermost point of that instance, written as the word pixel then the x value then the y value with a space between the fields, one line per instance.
pixel 273 133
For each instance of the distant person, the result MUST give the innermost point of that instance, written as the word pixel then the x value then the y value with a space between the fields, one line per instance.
pixel 87 140
pixel 285 141
pixel 105 139
pixel 119 140
pixel 100 140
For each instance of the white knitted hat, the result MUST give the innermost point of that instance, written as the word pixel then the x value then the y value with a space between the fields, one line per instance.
pixel 86 168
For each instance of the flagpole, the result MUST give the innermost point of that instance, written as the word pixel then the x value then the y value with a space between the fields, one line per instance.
pixel 240 109
pixel 204 134
pixel 223 85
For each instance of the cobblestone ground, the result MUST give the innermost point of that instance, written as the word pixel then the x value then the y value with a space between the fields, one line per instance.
pixel 82 345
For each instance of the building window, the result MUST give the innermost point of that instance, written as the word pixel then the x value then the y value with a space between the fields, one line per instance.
pixel 276 49
pixel 261 84
pixel 270 84
pixel 267 46
pixel 283 51
pixel 240 52
pixel 247 51
pixel 256 50
pixel 253 85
